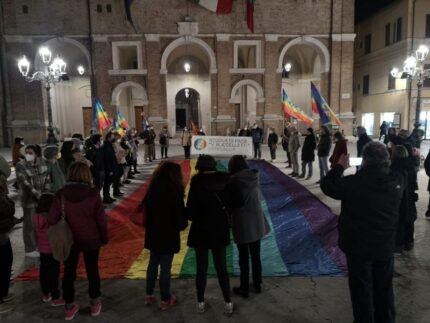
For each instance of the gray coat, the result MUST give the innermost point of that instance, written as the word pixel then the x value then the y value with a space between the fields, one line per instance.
pixel 248 222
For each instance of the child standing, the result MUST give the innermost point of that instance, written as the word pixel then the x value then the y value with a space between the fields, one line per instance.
pixel 49 267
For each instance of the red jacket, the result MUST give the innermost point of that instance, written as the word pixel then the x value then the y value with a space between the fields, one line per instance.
pixel 339 149
pixel 40 227
pixel 84 214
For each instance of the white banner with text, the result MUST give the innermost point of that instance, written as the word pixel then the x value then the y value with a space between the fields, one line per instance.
pixel 221 146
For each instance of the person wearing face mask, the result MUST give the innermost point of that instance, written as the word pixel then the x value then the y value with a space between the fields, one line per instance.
pixel 66 158
pixel 95 156
pixel 33 179
pixel 17 154
pixel 257 139
pixel 148 137
pixel 186 142
pixel 56 176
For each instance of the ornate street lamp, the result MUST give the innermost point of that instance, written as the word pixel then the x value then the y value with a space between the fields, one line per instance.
pixel 413 69
pixel 53 73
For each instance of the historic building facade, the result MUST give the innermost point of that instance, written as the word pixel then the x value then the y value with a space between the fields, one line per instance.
pixel 385 40
pixel 180 63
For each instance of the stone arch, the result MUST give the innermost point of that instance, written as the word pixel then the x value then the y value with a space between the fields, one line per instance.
pixel 235 98
pixel 322 50
pixel 184 41
pixel 58 40
pixel 117 90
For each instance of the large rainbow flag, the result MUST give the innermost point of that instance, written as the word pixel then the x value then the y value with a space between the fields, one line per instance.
pixel 302 242
pixel 101 118
pixel 293 111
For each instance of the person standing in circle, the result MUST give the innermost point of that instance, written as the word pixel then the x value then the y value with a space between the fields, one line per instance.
pixel 165 218
pixel 249 224
pixel 272 141
pixel 210 230
pixel 186 142
pixel 323 151
pixel 86 217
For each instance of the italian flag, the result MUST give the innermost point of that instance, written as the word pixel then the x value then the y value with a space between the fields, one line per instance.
pixel 218 6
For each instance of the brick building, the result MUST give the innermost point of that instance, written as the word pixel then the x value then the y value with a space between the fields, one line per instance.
pixel 181 62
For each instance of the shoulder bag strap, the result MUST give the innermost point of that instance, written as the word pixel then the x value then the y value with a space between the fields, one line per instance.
pixel 63 211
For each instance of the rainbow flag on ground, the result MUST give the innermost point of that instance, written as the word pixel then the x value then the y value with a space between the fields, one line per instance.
pixel 293 111
pixel 302 242
pixel 101 118
pixel 320 106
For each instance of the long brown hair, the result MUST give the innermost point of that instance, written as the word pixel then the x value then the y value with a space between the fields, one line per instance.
pixel 167 179
pixel 79 172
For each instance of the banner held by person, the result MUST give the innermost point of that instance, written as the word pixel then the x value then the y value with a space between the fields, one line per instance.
pixel 221 146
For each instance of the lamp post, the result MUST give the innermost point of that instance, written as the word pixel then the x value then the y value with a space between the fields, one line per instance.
pixel 413 69
pixel 52 73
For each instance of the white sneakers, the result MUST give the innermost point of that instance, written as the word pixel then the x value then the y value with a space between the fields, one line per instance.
pixel 33 254
pixel 201 307
pixel 228 308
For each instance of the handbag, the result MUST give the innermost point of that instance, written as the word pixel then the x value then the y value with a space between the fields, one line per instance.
pixel 60 236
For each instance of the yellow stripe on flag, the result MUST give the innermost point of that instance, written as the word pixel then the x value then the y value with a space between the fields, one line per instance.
pixel 138 268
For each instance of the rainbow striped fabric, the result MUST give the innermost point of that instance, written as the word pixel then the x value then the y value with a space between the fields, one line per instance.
pixel 302 242
pixel 293 111
pixel 101 117
pixel 320 106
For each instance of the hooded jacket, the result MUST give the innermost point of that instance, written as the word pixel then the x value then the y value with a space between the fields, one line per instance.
pixel 84 214
pixel 370 202
pixel 208 197
pixel 248 222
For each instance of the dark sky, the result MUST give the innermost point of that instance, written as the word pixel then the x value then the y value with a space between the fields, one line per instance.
pixel 365 8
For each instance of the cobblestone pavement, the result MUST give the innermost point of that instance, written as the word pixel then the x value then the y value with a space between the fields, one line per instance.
pixel 287 299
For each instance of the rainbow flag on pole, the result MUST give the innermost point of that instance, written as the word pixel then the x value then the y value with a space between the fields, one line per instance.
pixel 320 106
pixel 293 111
pixel 101 117
pixel 121 120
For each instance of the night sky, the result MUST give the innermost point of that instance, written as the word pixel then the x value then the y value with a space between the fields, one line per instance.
pixel 365 8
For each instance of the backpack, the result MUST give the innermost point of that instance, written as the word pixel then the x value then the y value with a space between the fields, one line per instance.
pixel 60 236
pixel 163 139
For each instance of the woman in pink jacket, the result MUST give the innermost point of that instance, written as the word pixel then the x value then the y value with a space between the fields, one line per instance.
pixel 87 220
pixel 49 270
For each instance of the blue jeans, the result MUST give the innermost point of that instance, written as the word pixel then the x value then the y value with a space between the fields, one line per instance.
pixel 323 163
pixel 309 164
pixel 165 263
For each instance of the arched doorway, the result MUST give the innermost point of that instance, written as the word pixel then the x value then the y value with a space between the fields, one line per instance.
pixel 245 95
pixel 71 98
pixel 188 63
pixel 187 103
pixel 130 98
pixel 308 60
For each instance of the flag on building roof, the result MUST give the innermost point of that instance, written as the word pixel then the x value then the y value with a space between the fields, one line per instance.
pixel 293 111
pixel 127 4
pixel 121 120
pixel 101 118
pixel 221 7
pixel 320 106
pixel 250 14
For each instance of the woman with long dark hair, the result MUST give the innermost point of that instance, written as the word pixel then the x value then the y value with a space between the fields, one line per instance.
pixel 66 158
pixel 165 218
pixel 340 149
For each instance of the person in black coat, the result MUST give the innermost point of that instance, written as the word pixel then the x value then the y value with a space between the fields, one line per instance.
pixel 363 139
pixel 210 230
pixel 272 142
pixel 401 163
pixel 323 148
pixel 308 153
pixel 370 203
pixel 165 218
pixel 285 141
pixel 94 153
pixel 427 169
pixel 111 166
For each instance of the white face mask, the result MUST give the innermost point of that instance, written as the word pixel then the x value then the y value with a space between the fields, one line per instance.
pixel 29 157
pixel 81 147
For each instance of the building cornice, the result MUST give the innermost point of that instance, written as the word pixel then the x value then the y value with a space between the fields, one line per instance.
pixel 343 37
